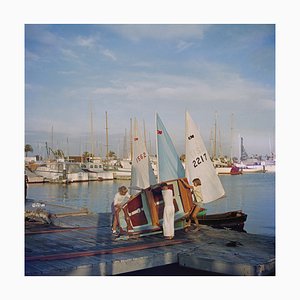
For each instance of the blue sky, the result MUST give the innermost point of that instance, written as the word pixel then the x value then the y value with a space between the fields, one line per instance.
pixel 133 71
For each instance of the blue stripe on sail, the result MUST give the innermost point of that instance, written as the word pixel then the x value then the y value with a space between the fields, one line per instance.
pixel 169 164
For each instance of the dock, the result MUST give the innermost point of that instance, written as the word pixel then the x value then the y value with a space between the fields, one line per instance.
pixel 80 243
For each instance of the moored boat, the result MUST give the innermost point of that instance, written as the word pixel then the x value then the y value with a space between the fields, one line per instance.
pixel 233 219
pixel 235 171
pixel 61 171
pixel 95 171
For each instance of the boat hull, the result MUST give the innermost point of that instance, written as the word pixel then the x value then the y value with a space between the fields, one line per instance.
pixel 143 214
pixel 234 220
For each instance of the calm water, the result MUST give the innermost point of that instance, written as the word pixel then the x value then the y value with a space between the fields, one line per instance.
pixel 253 193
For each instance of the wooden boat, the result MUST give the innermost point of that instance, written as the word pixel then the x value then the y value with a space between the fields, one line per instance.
pixel 234 220
pixel 143 214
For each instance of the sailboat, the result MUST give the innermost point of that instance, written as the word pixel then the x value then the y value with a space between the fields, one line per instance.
pixel 143 213
pixel 249 165
pixel 199 165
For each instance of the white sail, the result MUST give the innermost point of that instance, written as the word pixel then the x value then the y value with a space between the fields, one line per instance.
pixel 198 163
pixel 142 175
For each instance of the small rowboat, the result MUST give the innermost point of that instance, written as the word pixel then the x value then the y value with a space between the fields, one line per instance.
pixel 233 219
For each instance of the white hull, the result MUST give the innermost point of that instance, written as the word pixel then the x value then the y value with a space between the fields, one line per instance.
pixel 122 174
pixel 270 168
pixel 249 169
pixel 101 175
pixel 96 171
pixel 223 170
pixel 61 172
pixel 33 178
pixel 77 177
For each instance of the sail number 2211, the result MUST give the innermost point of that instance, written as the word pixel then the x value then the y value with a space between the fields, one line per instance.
pixel 200 159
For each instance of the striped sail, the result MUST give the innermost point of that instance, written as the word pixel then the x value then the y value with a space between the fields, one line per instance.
pixel 198 163
pixel 169 164
pixel 142 175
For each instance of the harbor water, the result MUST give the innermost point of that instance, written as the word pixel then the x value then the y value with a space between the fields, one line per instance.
pixel 254 194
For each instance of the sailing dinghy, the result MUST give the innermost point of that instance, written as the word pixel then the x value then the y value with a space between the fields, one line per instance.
pixel 143 213
pixel 199 165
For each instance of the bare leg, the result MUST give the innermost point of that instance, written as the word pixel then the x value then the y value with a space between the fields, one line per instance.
pixel 116 219
pixel 189 221
pixel 194 216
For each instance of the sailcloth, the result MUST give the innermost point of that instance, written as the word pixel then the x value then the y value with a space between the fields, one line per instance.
pixel 142 175
pixel 169 164
pixel 198 163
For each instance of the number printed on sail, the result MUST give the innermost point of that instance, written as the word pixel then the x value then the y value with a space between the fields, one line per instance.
pixel 140 157
pixel 199 159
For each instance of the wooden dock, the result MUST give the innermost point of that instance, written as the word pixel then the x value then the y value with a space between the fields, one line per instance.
pixel 80 243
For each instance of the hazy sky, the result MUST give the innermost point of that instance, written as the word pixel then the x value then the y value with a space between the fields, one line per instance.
pixel 133 71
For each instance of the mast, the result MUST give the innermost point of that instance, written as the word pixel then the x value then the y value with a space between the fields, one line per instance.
pixel 156 139
pixel 231 137
pixel 106 129
pixel 220 144
pixel 145 139
pixel 131 146
pixel 125 153
pixel 47 151
pixel 100 149
pixel 52 137
pixel 68 155
pixel 211 143
pixel 92 131
pixel 80 151
pixel 150 150
pixel 270 148
pixel 215 138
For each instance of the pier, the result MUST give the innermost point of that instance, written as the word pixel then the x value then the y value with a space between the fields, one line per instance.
pixel 80 243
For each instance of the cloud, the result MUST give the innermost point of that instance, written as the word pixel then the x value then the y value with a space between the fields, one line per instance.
pixel 108 53
pixel 40 34
pixel 63 72
pixel 142 64
pixel 160 32
pixel 68 53
pixel 182 45
pixel 30 56
pixel 227 88
pixel 88 42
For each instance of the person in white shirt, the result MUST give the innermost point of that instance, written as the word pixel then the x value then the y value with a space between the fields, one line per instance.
pixel 169 212
pixel 121 197
pixel 198 204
